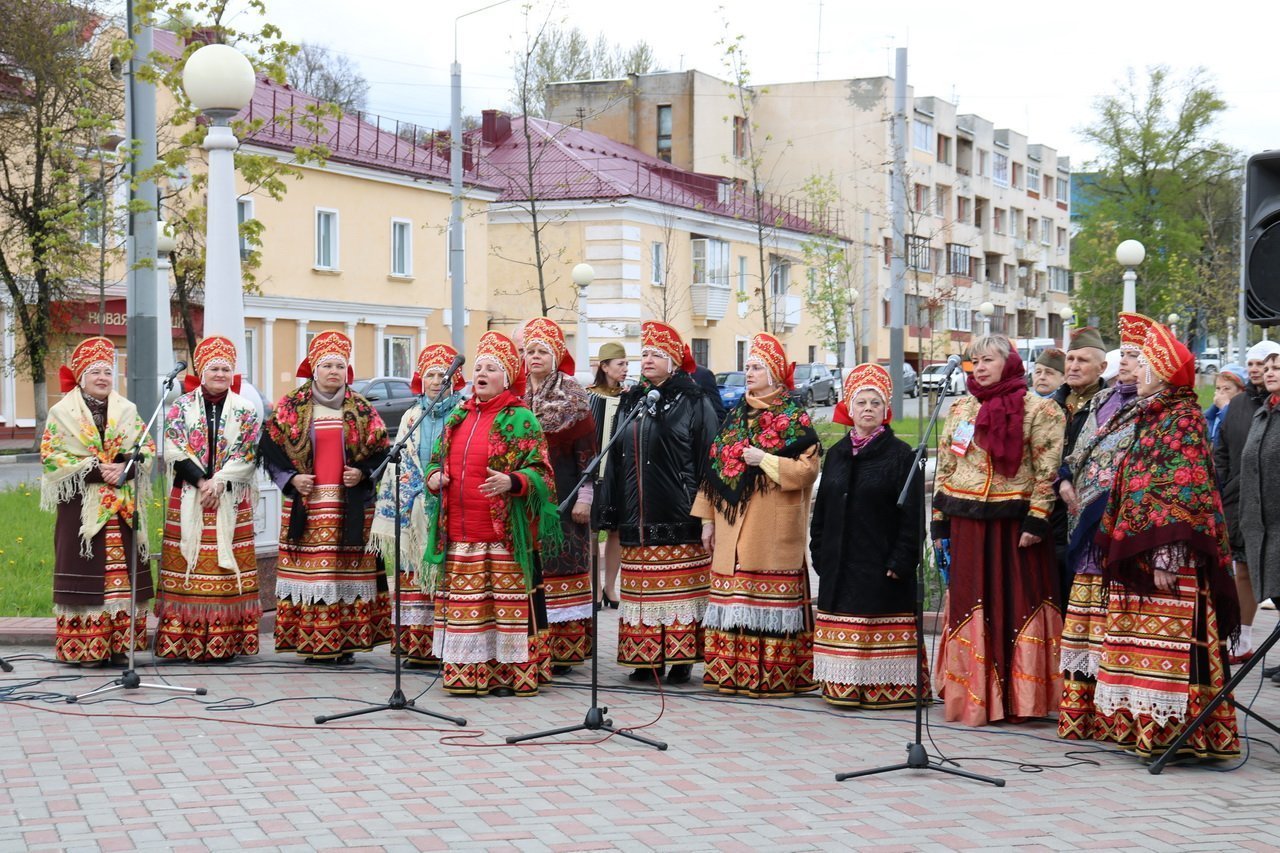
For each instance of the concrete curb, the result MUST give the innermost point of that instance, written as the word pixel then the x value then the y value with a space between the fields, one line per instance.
pixel 19 458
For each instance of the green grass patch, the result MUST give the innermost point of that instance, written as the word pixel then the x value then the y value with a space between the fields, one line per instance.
pixel 26 550
pixel 907 429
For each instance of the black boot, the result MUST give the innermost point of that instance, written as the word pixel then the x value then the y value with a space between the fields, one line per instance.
pixel 646 674
pixel 679 674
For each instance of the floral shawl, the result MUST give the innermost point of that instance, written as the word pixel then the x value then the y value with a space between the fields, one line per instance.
pixel 559 403
pixel 528 522
pixel 1164 494
pixel 417 503
pixel 234 462
pixel 780 427
pixel 71 447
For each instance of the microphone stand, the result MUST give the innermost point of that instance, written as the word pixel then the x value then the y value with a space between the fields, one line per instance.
pixel 129 679
pixel 398 701
pixel 917 757
pixel 5 665
pixel 595 720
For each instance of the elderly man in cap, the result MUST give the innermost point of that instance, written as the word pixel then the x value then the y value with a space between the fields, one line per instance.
pixel 1047 375
pixel 1232 432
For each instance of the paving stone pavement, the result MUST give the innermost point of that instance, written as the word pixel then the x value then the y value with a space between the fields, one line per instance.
pixel 246 768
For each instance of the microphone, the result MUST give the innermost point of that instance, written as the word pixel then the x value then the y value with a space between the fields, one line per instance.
pixel 953 363
pixel 458 361
pixel 177 368
pixel 651 402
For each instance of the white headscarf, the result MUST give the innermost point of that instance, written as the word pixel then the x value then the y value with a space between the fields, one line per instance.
pixel 1261 350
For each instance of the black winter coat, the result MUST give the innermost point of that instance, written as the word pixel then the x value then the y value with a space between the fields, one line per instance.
pixel 655 468
pixel 1232 434
pixel 858 533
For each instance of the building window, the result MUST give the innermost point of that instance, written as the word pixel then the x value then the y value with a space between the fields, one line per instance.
pixel 1031 227
pixel 1017 176
pixel 251 356
pixel 964 212
pixel 397 355
pixel 1046 232
pixel 957 259
pixel 1064 190
pixel 448 244
pixel 921 311
pixel 959 317
pixel 1000 174
pixel 941 201
pixel 710 262
pixel 742 355
pixel 997 220
pixel 1033 181
pixel 944 149
pixel 1059 280
pixel 664 132
pixel 742 275
pixel 984 163
pixel 244 212
pixel 1048 187
pixel 779 275
pixel 658 263
pixel 919 253
pixel 999 325
pixel 888 251
pixel 326 239
pixel 813 354
pixel 739 137
pixel 1062 240
pixel 922 135
pixel 401 247
pixel 701 350
pixel 922 197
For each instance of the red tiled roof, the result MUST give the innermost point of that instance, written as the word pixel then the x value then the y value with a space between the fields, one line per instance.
pixel 350 139
pixel 572 163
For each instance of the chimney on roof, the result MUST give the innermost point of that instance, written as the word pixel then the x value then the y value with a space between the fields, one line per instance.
pixel 495 126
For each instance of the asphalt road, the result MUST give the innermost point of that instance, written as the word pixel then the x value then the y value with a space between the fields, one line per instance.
pixel 22 472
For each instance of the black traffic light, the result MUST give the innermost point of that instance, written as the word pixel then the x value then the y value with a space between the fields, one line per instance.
pixel 1262 239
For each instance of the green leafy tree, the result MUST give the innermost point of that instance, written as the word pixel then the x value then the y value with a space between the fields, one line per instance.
pixel 59 108
pixel 830 260
pixel 1160 177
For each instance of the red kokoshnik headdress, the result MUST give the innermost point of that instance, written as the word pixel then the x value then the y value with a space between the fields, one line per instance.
pixel 862 378
pixel 666 340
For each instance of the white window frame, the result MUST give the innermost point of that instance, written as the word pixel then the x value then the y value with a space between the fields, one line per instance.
pixel 658 263
pixel 251 356
pixel 244 212
pixel 984 162
pixel 388 347
pixel 742 274
pixel 922 138
pixel 713 257
pixel 1033 179
pixel 1000 169
pixel 1059 280
pixel 779 275
pixel 1046 232
pixel 959 316
pixel 334 241
pixel 1064 189
pixel 919 253
pixel 957 252
pixel 398 223
pixel 448 239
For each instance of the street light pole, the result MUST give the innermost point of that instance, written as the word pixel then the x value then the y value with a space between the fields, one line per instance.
pixel 583 275
pixel 1129 254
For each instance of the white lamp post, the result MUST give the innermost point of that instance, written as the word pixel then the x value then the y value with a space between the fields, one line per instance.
pixel 1229 355
pixel 986 309
pixel 1066 314
pixel 1173 324
pixel 1129 254
pixel 851 345
pixel 220 81
pixel 583 275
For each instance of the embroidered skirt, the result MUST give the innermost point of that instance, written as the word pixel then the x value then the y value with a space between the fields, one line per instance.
pixel 486 631
pixel 417 618
pixel 328 597
pixel 207 612
pixel 998 656
pixel 1161 664
pixel 867 661
pixel 567 581
pixel 1084 627
pixel 663 599
pixel 85 634
pixel 758 637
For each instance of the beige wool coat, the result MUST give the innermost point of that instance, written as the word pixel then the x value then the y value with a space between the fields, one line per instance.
pixel 773 532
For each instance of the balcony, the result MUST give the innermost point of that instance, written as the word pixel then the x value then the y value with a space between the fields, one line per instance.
pixel 787 311
pixel 710 301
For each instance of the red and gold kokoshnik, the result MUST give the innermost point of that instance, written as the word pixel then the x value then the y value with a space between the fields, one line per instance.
pixel 1169 359
pixel 89 352
pixel 436 358
pixel 500 348
pixel 769 351
pixel 664 339
pixel 1133 330
pixel 213 349
pixel 323 346
pixel 545 331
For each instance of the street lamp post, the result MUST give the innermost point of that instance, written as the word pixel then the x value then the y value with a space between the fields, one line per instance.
pixel 1129 254
pixel 220 81
pixel 583 275
pixel 165 244
pixel 1173 325
pixel 1066 314
pixel 985 310
pixel 1228 356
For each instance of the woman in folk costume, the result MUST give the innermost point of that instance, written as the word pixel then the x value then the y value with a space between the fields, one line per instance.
pixel 101 510
pixel 1090 470
pixel 606 393
pixel 997 459
pixel 754 504
pixel 417 505
pixel 654 472
pixel 563 410
pixel 866 551
pixel 320 445
pixel 1171 601
pixel 497 511
pixel 208 606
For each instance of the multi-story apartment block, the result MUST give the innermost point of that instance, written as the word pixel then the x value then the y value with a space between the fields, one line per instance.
pixel 987 213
